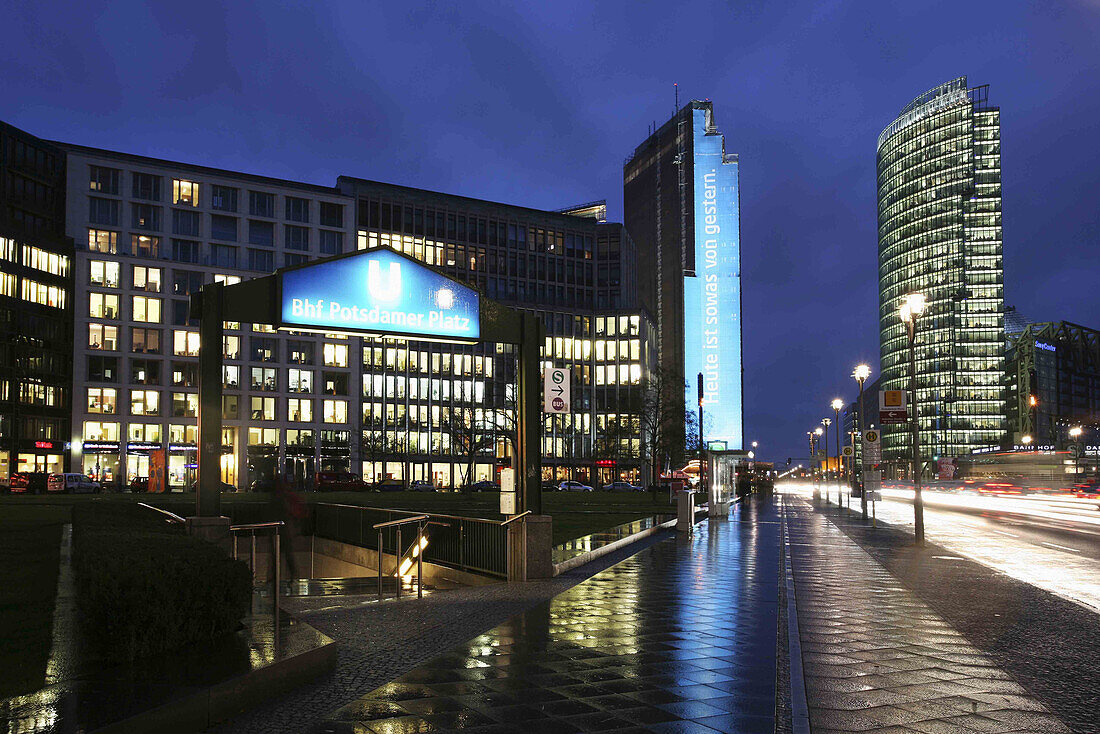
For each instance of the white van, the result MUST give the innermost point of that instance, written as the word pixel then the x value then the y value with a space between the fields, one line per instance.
pixel 72 483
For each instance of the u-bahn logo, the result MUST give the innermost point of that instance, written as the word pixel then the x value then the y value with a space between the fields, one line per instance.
pixel 388 289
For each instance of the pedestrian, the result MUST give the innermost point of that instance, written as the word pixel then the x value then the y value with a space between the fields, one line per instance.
pixel 289 507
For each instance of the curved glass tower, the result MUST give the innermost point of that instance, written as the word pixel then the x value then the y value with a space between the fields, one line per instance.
pixel 939 233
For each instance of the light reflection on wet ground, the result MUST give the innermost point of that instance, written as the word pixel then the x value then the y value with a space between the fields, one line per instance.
pixel 681 636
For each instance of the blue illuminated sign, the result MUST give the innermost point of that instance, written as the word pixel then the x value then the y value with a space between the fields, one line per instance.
pixel 380 292
pixel 712 296
pixel 1046 347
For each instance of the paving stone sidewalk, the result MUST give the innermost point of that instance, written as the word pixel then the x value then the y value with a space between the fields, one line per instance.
pixel 378 642
pixel 680 637
pixel 876 658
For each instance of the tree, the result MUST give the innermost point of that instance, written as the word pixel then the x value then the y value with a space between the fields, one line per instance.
pixel 661 418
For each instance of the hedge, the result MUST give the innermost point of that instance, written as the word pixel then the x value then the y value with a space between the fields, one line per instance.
pixel 145 587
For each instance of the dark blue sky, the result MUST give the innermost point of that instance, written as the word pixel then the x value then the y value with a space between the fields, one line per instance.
pixel 539 105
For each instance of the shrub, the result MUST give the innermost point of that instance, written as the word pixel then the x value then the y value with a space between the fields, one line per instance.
pixel 145 587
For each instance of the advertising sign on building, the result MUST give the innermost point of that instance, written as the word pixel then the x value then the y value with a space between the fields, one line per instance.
pixel 157 477
pixel 946 467
pixel 712 285
pixel 555 391
pixel 872 447
pixel 380 292
pixel 891 407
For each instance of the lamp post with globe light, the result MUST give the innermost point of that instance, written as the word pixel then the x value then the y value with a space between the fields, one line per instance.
pixel 1075 434
pixel 861 373
pixel 836 405
pixel 825 447
pixel 817 435
pixel 813 476
pixel 912 307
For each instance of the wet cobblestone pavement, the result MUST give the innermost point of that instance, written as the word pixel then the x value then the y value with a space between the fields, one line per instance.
pixel 680 637
pixel 877 658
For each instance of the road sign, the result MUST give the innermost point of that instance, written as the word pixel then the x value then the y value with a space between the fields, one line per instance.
pixel 555 391
pixel 848 452
pixel 872 484
pixel 507 491
pixel 1075 450
pixel 872 447
pixel 891 407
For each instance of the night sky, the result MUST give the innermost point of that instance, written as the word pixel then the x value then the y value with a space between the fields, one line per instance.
pixel 539 107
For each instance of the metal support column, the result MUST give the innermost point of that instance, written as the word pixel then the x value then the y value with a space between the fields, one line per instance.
pixel 208 496
pixel 528 424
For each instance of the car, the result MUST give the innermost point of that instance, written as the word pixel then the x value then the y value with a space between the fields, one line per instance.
pixel 338 481
pixel 223 487
pixel 570 486
pixel 71 483
pixel 422 485
pixel 481 486
pixel 28 482
pixel 387 485
pixel 621 487
pixel 257 485
pixel 549 486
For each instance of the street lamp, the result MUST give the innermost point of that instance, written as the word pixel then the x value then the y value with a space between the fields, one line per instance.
pixel 817 434
pixel 1075 434
pixel 825 445
pixel 1025 440
pixel 861 373
pixel 836 405
pixel 912 306
pixel 813 478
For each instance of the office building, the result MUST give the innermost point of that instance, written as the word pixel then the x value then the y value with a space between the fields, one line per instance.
pixel 1053 385
pixel 150 232
pixel 680 198
pixel 35 306
pixel 939 234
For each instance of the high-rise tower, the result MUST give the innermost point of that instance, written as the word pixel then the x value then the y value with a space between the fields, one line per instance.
pixel 680 199
pixel 939 233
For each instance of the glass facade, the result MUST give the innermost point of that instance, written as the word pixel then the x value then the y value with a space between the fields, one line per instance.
pixel 939 232
pixel 36 276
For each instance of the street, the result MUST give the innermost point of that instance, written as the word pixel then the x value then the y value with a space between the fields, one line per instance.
pixel 1050 542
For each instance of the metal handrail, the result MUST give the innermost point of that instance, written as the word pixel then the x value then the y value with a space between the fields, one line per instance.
pixel 402 521
pixel 257 525
pixel 460 530
pixel 511 520
pixel 407 512
pixel 172 517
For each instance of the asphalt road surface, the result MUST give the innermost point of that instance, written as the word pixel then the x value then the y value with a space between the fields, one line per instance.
pixel 1050 542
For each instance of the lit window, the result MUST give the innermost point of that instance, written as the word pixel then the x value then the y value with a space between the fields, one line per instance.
pixel 101 240
pixel 336 355
pixel 144 402
pixel 146 309
pixel 185 404
pixel 185 343
pixel 263 409
pixel 103 305
pixel 100 431
pixel 42 294
pixel 148 432
pixel 103 273
pixel 299 410
pixel 147 279
pixel 335 411
pixel 101 336
pixel 185 193
pixel 301 380
pixel 102 400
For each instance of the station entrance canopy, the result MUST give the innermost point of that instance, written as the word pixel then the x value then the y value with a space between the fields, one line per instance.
pixel 378 292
